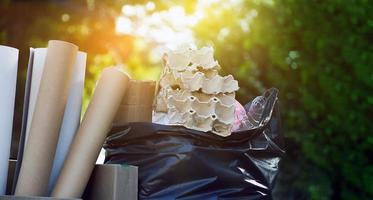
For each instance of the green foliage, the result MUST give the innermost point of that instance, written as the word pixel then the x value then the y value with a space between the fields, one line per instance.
pixel 320 55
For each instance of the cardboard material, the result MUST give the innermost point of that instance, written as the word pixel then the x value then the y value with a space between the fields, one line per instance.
pixel 6 197
pixel 71 118
pixel 138 106
pixel 189 70
pixel 133 113
pixel 91 134
pixel 112 182
pixel 46 121
pixel 142 93
pixel 8 81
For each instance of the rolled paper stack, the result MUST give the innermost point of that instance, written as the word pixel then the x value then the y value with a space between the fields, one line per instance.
pixel 138 106
pixel 71 118
pixel 8 80
pixel 47 118
pixel 75 92
pixel 91 134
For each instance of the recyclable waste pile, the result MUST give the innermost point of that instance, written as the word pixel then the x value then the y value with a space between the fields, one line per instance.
pixel 193 94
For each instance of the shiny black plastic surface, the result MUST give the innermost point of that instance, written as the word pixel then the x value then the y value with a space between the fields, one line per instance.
pixel 179 163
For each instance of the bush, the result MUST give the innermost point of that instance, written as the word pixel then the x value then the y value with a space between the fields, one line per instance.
pixel 320 55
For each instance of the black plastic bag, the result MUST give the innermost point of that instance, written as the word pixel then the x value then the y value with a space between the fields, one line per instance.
pixel 178 163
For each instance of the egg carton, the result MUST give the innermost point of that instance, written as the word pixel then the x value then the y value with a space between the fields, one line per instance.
pixel 194 81
pixel 170 78
pixel 192 120
pixel 216 84
pixel 190 58
pixel 161 101
pixel 193 94
pixel 174 78
pixel 221 107
pixel 167 92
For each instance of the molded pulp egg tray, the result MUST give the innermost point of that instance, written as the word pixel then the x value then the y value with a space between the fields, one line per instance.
pixel 193 94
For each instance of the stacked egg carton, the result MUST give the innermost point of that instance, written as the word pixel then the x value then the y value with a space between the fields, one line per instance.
pixel 193 94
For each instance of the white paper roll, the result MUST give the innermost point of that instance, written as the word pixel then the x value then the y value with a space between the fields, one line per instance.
pixel 71 118
pixel 37 72
pixel 8 81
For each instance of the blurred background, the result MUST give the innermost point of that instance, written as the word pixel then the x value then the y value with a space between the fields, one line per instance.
pixel 319 54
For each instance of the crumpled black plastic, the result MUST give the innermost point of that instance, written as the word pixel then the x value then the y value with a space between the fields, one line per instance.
pixel 178 163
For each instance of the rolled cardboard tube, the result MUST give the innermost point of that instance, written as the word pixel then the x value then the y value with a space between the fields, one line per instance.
pixel 71 118
pixel 46 122
pixel 91 134
pixel 133 113
pixel 8 81
pixel 142 93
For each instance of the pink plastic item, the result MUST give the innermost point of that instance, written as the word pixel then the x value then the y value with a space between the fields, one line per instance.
pixel 239 116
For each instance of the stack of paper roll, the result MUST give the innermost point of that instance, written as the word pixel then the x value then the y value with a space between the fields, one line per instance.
pixel 42 66
pixel 50 88
pixel 8 80
pixel 57 153
pixel 71 116
pixel 193 94
pixel 60 152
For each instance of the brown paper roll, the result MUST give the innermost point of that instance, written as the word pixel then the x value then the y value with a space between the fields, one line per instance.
pixel 47 118
pixel 91 134
pixel 140 93
pixel 133 113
